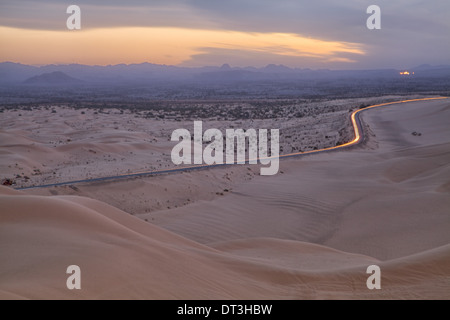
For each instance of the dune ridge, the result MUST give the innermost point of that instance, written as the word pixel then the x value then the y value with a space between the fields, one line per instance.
pixel 122 257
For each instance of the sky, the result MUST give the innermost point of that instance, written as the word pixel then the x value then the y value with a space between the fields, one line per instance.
pixel 321 34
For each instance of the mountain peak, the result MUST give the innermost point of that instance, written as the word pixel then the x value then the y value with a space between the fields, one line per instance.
pixel 277 68
pixel 53 78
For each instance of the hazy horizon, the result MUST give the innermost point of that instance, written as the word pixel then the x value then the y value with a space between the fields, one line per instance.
pixel 221 65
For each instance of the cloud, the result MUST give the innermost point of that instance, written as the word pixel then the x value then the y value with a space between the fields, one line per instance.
pixel 162 45
pixel 413 31
pixel 258 58
pixel 51 15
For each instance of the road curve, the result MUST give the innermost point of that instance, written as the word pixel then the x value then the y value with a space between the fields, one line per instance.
pixel 357 127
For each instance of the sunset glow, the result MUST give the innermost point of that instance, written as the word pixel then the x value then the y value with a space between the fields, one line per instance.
pixel 171 46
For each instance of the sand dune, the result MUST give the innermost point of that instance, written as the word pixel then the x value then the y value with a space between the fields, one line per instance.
pixel 122 257
pixel 385 203
pixel 307 233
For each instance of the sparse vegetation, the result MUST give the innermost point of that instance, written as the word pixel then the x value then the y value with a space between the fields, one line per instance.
pixel 305 125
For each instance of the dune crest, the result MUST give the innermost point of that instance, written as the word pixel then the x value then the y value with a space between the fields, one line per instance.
pixel 123 257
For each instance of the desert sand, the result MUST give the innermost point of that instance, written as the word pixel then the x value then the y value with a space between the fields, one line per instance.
pixel 309 232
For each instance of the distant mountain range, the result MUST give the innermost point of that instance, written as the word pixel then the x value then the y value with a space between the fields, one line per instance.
pixel 77 74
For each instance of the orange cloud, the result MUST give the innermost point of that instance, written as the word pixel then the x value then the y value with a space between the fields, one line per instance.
pixel 159 45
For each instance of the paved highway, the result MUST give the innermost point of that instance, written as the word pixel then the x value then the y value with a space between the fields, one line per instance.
pixel 356 122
